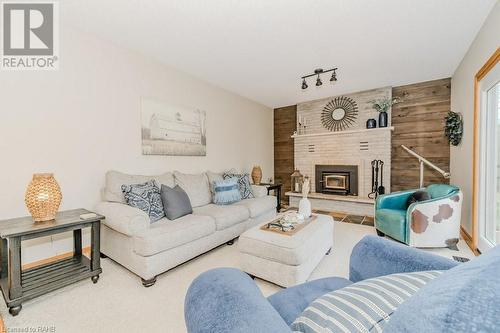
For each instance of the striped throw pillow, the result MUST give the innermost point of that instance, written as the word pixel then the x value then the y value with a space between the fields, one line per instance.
pixel 226 191
pixel 365 306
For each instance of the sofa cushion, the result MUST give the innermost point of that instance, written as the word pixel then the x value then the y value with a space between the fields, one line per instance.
pixel 213 177
pixel 165 234
pixel 290 302
pixel 175 202
pixel 196 187
pixel 115 180
pixel 259 206
pixel 463 299
pixel 225 216
pixel 259 190
pixel 364 306
pixel 146 197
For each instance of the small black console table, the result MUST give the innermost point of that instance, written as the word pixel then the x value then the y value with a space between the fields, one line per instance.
pixel 277 188
pixel 21 285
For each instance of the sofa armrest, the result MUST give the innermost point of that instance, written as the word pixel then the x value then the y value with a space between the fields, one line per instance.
pixel 227 300
pixel 259 191
pixel 395 200
pixel 375 256
pixel 123 218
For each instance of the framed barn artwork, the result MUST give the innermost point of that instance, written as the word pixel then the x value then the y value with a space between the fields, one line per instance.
pixel 174 130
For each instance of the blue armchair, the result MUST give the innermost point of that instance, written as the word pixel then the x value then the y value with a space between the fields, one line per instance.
pixel 463 299
pixel 429 223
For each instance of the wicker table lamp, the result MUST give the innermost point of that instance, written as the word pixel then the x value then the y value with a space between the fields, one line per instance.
pixel 43 197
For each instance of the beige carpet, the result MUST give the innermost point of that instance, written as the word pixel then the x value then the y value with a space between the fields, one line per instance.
pixel 119 303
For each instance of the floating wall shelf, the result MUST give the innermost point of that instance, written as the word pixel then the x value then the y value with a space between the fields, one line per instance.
pixel 383 129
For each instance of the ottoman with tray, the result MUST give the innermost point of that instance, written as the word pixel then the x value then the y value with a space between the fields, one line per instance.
pixel 286 259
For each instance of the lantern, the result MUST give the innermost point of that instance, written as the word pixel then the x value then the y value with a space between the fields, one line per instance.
pixel 297 180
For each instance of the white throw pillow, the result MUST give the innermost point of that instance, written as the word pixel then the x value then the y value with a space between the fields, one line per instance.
pixel 196 187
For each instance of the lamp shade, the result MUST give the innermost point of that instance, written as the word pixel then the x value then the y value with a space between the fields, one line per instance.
pixel 43 197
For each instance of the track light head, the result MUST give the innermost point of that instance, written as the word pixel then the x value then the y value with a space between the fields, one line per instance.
pixel 304 84
pixel 318 81
pixel 334 77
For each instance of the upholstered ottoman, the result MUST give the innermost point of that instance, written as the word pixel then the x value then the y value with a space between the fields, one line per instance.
pixel 282 259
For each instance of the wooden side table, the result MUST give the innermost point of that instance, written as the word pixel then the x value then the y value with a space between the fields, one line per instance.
pixel 277 188
pixel 21 285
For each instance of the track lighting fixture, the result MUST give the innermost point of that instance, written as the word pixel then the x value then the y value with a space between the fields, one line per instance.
pixel 318 79
pixel 304 84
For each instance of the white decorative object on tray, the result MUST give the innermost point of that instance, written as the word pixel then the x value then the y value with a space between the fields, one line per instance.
pixel 172 130
pixel 292 218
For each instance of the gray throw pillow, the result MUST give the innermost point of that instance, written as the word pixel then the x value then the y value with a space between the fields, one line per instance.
pixel 146 197
pixel 176 202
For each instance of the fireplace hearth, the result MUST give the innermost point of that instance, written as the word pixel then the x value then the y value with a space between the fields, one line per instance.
pixel 336 179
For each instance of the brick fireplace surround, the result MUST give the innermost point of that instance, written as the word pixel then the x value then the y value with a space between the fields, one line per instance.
pixel 356 146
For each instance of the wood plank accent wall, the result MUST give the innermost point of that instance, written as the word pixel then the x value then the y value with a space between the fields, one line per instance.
pixel 285 123
pixel 419 124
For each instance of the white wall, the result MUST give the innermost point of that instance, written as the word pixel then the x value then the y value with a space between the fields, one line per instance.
pixel 462 100
pixel 84 119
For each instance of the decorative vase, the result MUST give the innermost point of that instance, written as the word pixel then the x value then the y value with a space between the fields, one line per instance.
pixel 43 197
pixel 256 175
pixel 305 207
pixel 371 123
pixel 382 119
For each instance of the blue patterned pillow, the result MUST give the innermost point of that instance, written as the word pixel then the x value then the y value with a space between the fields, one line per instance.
pixel 365 306
pixel 226 191
pixel 243 183
pixel 146 197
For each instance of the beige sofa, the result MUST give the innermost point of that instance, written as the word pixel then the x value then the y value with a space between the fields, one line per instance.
pixel 148 249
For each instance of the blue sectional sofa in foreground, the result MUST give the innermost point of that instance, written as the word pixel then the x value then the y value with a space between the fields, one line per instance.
pixel 464 298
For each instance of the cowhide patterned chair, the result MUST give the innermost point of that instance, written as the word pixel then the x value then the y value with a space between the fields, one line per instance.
pixel 430 223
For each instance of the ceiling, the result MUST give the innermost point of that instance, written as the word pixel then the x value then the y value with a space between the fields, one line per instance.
pixel 260 48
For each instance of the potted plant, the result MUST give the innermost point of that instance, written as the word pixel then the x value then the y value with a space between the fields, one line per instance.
pixel 382 106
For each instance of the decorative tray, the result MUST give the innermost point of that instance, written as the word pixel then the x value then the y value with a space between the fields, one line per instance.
pixel 277 226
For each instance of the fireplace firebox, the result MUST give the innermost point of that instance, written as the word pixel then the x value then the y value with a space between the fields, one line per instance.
pixel 337 179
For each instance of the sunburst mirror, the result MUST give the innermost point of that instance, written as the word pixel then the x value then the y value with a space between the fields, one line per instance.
pixel 340 113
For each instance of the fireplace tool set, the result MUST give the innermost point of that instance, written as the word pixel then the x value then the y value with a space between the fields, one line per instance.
pixel 377 188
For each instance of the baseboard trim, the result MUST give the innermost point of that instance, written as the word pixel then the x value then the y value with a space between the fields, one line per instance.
pixel 468 239
pixel 85 251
